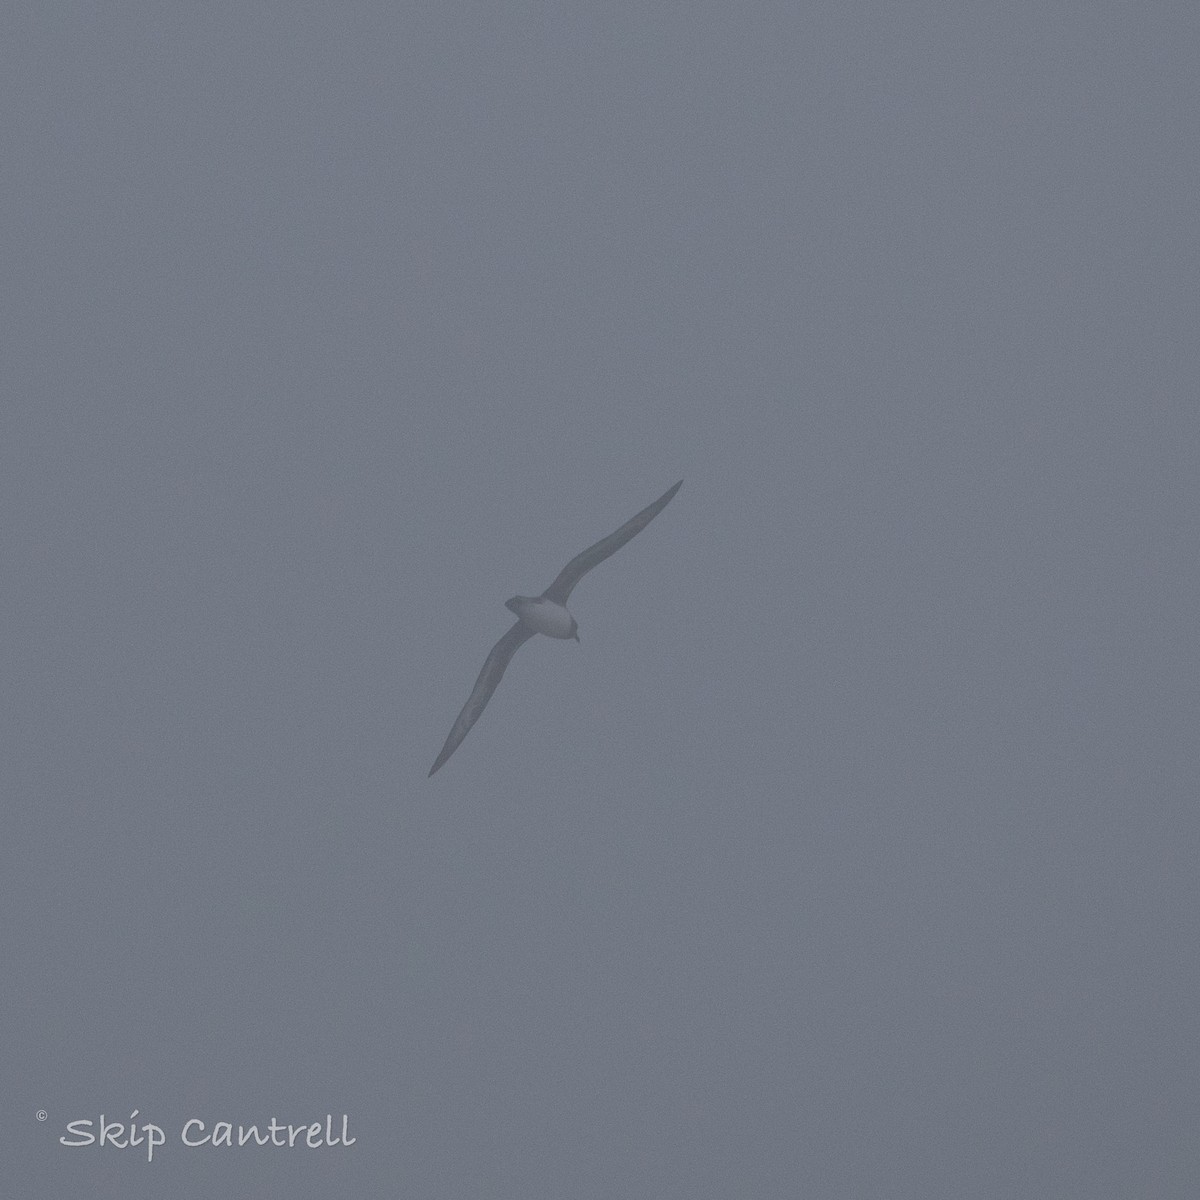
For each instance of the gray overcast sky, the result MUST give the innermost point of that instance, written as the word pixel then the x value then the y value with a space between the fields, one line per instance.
pixel 853 852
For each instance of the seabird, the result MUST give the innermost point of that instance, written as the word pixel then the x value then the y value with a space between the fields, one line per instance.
pixel 546 614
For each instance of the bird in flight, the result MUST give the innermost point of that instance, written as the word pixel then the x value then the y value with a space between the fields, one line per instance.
pixel 546 614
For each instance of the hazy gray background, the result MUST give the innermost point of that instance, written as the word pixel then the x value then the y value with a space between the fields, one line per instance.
pixel 853 853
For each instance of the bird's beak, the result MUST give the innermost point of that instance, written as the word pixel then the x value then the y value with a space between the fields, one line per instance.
pixel 577 637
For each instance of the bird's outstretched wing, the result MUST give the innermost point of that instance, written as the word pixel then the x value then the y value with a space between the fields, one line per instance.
pixel 581 564
pixel 485 685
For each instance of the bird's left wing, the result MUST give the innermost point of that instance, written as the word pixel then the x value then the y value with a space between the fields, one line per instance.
pixel 485 685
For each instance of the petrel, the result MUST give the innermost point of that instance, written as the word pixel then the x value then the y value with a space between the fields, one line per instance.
pixel 546 614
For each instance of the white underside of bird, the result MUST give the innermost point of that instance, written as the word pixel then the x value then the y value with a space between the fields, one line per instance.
pixel 544 616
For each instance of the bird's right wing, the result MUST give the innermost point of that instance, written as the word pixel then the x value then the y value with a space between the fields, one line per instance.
pixel 582 563
pixel 485 685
